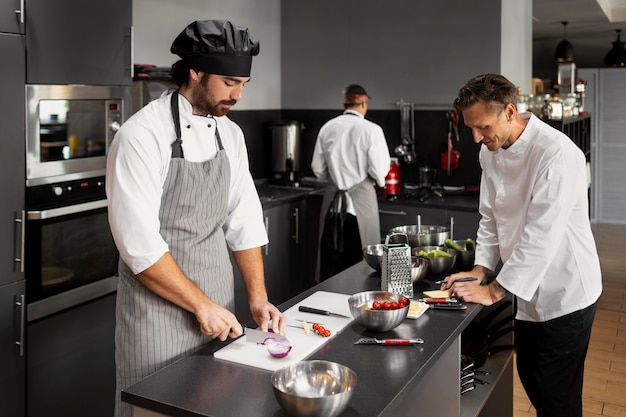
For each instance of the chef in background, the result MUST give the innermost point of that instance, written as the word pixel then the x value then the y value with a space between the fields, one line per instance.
pixel 180 194
pixel 535 218
pixel 352 153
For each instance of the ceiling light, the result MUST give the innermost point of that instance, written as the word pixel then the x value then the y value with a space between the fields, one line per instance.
pixel 564 50
pixel 616 57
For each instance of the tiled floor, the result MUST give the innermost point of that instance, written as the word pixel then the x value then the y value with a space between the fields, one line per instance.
pixel 604 392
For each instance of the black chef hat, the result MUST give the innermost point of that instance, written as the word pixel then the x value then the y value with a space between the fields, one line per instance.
pixel 216 47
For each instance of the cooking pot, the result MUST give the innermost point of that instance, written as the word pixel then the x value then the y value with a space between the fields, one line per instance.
pixel 286 146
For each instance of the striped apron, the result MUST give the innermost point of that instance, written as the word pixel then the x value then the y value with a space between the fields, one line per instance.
pixel 151 332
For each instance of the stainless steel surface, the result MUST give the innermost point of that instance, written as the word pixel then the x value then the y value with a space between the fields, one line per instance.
pixel 314 388
pixel 63 211
pixel 20 305
pixel 259 336
pixel 419 268
pixel 440 265
pixel 376 320
pixel 20 222
pixel 286 146
pixel 424 235
pixel 465 258
pixel 71 298
pixel 373 255
pixel 396 266
pixel 40 171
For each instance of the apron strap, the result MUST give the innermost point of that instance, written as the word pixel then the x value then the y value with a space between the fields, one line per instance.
pixel 177 149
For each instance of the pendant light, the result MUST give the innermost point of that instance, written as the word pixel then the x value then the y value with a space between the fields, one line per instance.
pixel 564 50
pixel 616 57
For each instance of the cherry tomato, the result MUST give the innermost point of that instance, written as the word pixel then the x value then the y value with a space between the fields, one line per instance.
pixel 395 305
pixel 376 305
pixel 386 305
pixel 326 333
pixel 404 302
pixel 315 326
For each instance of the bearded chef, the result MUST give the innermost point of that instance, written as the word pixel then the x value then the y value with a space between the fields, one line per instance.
pixel 180 194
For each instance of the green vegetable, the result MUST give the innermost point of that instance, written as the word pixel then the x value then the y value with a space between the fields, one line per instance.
pixel 440 253
pixel 469 244
pixel 452 244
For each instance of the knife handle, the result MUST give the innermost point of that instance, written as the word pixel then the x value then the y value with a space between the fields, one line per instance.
pixel 396 342
pixel 305 309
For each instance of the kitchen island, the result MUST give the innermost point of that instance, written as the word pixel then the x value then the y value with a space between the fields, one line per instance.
pixel 392 380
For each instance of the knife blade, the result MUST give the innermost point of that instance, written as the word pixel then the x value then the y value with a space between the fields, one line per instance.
pixel 312 310
pixel 259 336
pixel 448 306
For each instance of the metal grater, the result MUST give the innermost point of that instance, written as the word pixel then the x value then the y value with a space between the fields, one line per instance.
pixel 396 267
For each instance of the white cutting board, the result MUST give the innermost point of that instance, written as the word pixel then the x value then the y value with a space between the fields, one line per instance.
pixel 249 353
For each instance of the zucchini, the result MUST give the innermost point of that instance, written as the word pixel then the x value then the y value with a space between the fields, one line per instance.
pixel 469 244
pixel 453 245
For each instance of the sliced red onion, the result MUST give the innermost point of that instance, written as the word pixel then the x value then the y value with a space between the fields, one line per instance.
pixel 278 349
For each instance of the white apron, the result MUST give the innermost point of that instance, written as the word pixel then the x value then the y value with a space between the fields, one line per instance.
pixel 151 332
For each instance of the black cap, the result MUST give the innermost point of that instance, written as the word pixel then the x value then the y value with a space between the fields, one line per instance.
pixel 216 47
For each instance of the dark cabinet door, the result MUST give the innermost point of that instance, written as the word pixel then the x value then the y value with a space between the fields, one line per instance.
pixel 13 151
pixel 79 42
pixel 12 363
pixel 12 16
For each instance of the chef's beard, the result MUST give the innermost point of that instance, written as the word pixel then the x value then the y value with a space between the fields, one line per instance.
pixel 204 102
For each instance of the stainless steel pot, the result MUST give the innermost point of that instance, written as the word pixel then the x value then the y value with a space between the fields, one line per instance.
pixel 286 146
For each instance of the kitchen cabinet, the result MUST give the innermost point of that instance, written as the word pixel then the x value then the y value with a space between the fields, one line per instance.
pixel 12 16
pixel 79 42
pixel 465 223
pixel 12 363
pixel 12 171
pixel 283 257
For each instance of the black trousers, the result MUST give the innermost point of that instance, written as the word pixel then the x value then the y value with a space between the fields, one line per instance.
pixel 550 361
pixel 332 259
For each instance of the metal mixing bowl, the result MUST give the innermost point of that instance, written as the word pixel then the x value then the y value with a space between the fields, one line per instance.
pixel 373 255
pixel 314 388
pixel 419 268
pixel 464 258
pixel 376 320
pixel 438 266
pixel 427 235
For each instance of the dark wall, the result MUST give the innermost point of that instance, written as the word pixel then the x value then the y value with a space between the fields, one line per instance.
pixel 431 134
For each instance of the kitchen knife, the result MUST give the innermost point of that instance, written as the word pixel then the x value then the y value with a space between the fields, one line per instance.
pixel 388 342
pixel 448 306
pixel 312 310
pixel 259 336
pixel 437 300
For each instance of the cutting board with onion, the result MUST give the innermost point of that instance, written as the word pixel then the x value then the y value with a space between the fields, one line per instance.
pixel 249 353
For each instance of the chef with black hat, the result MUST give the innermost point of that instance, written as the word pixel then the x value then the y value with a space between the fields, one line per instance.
pixel 180 194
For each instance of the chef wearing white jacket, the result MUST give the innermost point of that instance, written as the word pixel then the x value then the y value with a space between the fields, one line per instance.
pixel 180 193
pixel 351 152
pixel 534 208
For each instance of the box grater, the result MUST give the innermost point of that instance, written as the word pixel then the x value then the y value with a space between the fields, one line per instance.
pixel 396 266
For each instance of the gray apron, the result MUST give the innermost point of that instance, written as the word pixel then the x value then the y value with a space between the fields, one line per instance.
pixel 151 332
pixel 365 204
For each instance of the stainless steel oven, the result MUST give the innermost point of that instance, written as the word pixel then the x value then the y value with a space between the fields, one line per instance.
pixel 70 254
pixel 69 129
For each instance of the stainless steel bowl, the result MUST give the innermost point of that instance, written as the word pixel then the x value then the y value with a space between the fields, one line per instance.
pixel 427 235
pixel 314 388
pixel 373 255
pixel 464 258
pixel 419 268
pixel 376 320
pixel 438 266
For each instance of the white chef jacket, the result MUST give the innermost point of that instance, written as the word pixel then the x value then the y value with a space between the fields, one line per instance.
pixel 534 207
pixel 137 165
pixel 350 148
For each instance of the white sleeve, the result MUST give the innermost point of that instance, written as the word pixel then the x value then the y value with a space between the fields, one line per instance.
pixel 134 186
pixel 378 156
pixel 318 162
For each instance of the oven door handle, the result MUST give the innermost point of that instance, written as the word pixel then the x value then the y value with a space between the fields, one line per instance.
pixel 64 211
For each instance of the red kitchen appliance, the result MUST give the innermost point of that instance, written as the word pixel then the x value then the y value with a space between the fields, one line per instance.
pixel 393 184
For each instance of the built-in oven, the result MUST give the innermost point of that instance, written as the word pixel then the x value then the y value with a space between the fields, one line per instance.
pixel 69 129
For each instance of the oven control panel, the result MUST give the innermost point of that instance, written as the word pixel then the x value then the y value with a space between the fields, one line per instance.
pixel 65 193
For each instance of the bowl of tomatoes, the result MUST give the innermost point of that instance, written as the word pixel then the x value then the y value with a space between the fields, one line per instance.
pixel 379 311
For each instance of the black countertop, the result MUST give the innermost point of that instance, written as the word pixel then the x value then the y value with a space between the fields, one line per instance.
pixel 200 385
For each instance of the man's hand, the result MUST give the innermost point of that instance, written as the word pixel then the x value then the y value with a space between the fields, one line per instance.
pixel 264 311
pixel 473 291
pixel 217 322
